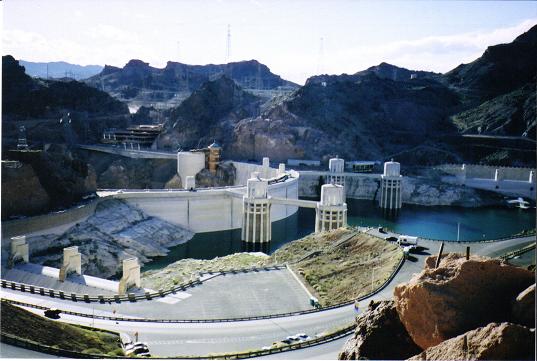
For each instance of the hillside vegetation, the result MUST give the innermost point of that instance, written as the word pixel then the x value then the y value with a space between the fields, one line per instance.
pixel 26 325
pixel 341 265
pixel 336 265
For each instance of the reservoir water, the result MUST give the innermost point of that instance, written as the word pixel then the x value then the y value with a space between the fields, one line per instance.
pixel 438 222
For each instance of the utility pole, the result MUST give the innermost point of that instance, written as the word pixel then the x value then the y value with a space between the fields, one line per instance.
pixel 228 46
pixel 320 59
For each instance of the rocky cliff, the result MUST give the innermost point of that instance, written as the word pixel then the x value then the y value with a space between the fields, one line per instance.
pixel 115 232
pixel 47 180
pixel 209 113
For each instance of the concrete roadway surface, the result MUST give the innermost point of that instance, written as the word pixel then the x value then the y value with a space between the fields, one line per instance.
pixel 167 339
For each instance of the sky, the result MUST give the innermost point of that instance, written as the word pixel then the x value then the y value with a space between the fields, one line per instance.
pixel 295 39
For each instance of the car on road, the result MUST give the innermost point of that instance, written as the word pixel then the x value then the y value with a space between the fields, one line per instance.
pixel 137 348
pixel 302 336
pixel 53 313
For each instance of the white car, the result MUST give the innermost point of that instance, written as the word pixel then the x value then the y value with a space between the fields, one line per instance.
pixel 302 336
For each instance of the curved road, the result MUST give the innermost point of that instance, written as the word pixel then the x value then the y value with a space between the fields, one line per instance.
pixel 174 339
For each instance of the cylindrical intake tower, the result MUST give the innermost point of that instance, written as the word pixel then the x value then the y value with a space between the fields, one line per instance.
pixel 390 186
pixel 331 212
pixel 335 175
pixel 256 226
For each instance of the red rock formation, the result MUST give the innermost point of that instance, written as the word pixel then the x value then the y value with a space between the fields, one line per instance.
pixel 458 296
pixel 379 335
pixel 505 341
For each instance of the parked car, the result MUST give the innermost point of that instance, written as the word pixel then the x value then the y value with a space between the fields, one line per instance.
pixel 52 313
pixel 137 348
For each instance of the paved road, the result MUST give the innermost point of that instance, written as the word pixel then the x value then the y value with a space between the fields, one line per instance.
pixel 11 352
pixel 181 339
pixel 325 351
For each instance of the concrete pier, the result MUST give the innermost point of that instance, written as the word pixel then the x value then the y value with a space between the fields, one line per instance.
pixel 336 168
pixel 256 224
pixel 131 275
pixel 390 187
pixel 72 262
pixel 331 210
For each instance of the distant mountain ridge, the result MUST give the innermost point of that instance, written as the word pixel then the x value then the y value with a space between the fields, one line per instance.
pixel 59 69
pixel 138 81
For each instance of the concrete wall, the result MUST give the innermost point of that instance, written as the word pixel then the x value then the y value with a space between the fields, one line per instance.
pixel 51 223
pixel 208 210
pixel 244 171
pixel 487 172
pixel 512 188
pixel 357 185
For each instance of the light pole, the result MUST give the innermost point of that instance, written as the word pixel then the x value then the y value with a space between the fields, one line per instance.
pixel 372 277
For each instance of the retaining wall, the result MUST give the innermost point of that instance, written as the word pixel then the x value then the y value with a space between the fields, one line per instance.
pixel 487 171
pixel 50 223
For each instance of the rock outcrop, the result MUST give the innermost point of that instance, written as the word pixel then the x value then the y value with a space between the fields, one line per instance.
pixel 458 296
pixel 115 232
pixel 65 178
pixel 496 341
pixel 524 307
pixel 379 335
pixel 26 195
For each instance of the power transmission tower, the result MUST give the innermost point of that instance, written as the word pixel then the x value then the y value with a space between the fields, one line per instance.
pixel 320 59
pixel 228 47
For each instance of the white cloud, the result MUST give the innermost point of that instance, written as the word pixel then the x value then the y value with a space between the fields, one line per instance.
pixel 433 53
pixel 110 33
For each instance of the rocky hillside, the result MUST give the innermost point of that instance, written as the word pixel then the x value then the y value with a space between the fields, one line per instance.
pixel 46 180
pixel 363 117
pixel 39 104
pixel 501 69
pixel 384 112
pixel 137 81
pixel 440 315
pixel 25 97
pixel 115 232
pixel 209 113
pixel 500 87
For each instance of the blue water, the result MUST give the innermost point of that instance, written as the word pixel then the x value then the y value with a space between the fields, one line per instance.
pixel 436 222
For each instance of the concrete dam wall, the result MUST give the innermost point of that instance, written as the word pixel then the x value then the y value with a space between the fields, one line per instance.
pixel 205 210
